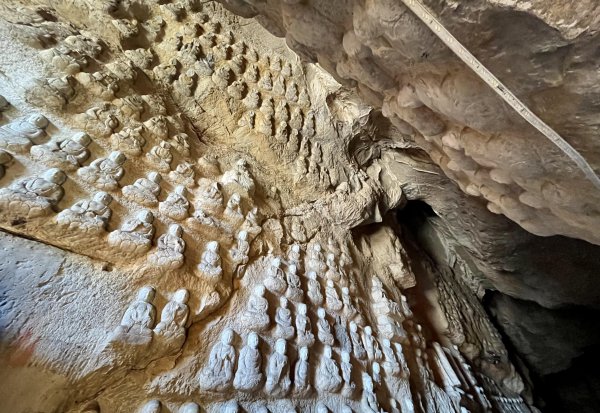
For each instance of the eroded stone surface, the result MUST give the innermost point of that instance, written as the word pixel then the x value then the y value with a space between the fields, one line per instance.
pixel 209 216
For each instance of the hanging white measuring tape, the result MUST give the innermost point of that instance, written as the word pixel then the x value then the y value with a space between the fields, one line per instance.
pixel 423 13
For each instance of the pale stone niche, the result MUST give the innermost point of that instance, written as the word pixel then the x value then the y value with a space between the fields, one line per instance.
pixel 183 227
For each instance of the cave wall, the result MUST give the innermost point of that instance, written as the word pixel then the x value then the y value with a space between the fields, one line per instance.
pixel 186 227
pixel 178 146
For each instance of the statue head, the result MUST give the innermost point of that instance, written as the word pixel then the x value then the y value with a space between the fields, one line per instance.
pixel 181 138
pixel 175 229
pixel 82 138
pixel 181 190
pixel 158 120
pixel 386 343
pixel 280 346
pixel 368 331
pixel 111 121
pixel 296 248
pixel 189 407
pixel 283 302
pixel 345 291
pixel 231 407
pixel 55 175
pixel 117 157
pixel 345 356
pixel 303 353
pixel 353 326
pixel 292 269
pixel 330 283
pixel 376 367
pixel 312 275
pixel 252 340
pixel 155 177
pixel 259 290
pixel 327 352
pixel 235 199
pixel 153 406
pixel 317 247
pixel 146 294
pixel 145 216
pixel 321 408
pixel 212 246
pixel 181 296
pixel 330 259
pixel 321 312
pixel 302 308
pixel 227 336
pixel 243 235
pixel 275 262
pixel 103 198
pixel 183 167
pixel 37 120
pixel 376 282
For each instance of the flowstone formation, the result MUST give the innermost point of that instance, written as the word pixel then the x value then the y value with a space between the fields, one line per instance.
pixel 194 220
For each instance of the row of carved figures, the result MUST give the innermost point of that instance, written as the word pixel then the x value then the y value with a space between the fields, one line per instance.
pixel 231 406
pixel 106 172
pixel 203 53
pixel 390 316
pixel 388 369
pixel 37 196
pixel 137 325
pixel 277 381
pixel 19 135
pixel 27 134
pixel 263 117
pixel 364 347
pixel 176 205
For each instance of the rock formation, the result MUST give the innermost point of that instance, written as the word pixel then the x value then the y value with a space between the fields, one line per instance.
pixel 276 206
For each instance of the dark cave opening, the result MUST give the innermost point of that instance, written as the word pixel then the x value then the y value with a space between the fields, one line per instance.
pixel 574 388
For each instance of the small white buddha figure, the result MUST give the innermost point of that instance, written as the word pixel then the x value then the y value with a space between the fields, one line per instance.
pixel 256 316
pixel 210 262
pixel 144 191
pixel 68 154
pixel 135 235
pixel 20 134
pixel 169 249
pixel 104 173
pixel 176 206
pixel 138 320
pixel 33 197
pixel 88 216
